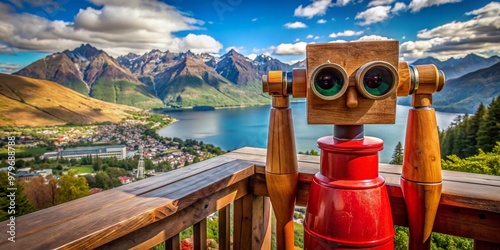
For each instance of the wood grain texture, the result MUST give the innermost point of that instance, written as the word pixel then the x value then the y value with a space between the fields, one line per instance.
pixel 173 243
pixel 282 173
pixel 200 234
pixel 162 230
pixel 428 79
pixel 351 56
pixel 281 156
pixel 121 195
pixel 252 219
pixel 116 220
pixel 405 85
pixel 422 201
pixel 422 158
pixel 224 229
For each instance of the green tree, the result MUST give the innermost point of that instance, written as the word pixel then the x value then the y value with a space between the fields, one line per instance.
pixel 22 204
pixel 489 128
pixel 482 163
pixel 72 187
pixel 472 130
pixel 102 180
pixel 401 238
pixel 397 156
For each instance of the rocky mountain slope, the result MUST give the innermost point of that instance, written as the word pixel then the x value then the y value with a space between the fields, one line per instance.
pixel 454 68
pixel 33 102
pixel 94 73
pixel 464 94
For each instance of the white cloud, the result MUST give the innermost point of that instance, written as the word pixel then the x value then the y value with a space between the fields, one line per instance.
pixel 373 15
pixel 291 49
pixel 309 36
pixel 255 19
pixel 200 44
pixel 112 26
pixel 8 68
pixel 342 2
pixel 297 39
pixel 317 8
pixel 321 21
pixel 379 2
pixel 316 37
pixel 346 33
pixel 404 37
pixel 295 25
pixel 456 39
pixel 372 38
pixel 490 10
pixel 417 5
pixel 399 6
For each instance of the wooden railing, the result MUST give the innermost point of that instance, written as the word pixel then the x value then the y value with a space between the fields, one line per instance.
pixel 155 210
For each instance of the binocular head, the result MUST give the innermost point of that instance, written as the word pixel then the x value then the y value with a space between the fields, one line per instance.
pixel 354 83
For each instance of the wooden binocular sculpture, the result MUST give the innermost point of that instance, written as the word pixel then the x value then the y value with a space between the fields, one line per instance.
pixel 349 85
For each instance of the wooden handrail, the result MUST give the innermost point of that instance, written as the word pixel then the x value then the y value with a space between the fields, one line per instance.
pixel 157 209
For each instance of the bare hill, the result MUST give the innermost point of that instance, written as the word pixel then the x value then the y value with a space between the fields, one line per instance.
pixel 31 102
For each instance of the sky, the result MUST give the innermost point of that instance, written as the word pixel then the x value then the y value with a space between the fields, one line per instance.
pixel 33 29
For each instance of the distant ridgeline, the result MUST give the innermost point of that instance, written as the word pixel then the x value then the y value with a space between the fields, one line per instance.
pixel 164 79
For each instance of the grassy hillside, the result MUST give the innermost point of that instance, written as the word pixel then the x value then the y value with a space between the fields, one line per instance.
pixel 124 92
pixel 31 102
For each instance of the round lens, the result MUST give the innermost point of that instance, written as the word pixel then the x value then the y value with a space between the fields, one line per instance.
pixel 328 81
pixel 378 81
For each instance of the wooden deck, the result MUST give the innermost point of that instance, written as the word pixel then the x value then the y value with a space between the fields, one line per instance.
pixel 145 213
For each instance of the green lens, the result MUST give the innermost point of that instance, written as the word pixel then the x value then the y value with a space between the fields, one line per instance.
pixel 378 81
pixel 328 81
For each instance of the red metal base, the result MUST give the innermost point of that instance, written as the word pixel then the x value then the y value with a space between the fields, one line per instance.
pixel 348 204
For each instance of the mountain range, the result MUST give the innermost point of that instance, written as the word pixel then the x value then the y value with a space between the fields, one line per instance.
pixel 159 79
pixel 454 68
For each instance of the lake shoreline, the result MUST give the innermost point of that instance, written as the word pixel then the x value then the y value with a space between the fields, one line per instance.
pixel 235 128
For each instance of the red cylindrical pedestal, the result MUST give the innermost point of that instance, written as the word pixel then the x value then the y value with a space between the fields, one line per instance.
pixel 348 204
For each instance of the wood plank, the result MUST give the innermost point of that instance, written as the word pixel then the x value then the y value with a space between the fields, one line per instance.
pixel 92 230
pixel 224 228
pixel 173 243
pixel 481 245
pixel 162 230
pixel 252 223
pixel 200 235
pixel 37 221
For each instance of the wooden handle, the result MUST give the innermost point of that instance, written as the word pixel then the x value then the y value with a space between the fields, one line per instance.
pixel 421 175
pixel 282 171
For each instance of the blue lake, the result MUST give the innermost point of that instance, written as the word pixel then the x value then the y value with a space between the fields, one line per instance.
pixel 238 127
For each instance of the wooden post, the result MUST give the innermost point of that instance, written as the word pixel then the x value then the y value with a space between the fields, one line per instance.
pixel 224 228
pixel 421 180
pixel 252 223
pixel 282 170
pixel 173 243
pixel 200 235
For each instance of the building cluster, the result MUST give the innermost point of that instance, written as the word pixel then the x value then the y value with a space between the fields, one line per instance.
pixel 118 151
pixel 130 134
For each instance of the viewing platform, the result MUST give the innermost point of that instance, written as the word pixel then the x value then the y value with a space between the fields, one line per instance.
pixel 155 210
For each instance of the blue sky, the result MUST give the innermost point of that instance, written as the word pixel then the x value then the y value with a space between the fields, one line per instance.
pixel 32 29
